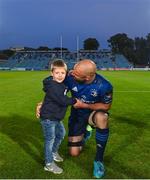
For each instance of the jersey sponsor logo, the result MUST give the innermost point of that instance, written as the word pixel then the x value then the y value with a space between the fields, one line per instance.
pixel 75 89
pixel 83 98
pixel 94 92
pixel 108 98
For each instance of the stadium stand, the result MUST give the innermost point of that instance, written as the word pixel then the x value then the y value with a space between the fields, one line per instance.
pixel 40 60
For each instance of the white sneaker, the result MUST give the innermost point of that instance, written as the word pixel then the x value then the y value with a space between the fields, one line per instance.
pixel 57 157
pixel 52 167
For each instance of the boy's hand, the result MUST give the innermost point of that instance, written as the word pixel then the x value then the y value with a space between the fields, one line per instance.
pixel 79 104
pixel 38 108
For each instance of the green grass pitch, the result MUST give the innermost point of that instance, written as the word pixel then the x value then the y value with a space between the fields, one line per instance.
pixel 21 140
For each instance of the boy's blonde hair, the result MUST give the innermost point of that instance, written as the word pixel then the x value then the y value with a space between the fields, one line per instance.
pixel 58 63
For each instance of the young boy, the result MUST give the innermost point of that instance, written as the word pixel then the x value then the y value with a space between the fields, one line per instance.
pixel 52 112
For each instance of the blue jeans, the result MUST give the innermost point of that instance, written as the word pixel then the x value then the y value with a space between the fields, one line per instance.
pixel 54 133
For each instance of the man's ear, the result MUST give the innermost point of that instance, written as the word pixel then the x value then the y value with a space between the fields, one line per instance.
pixel 70 72
pixel 88 78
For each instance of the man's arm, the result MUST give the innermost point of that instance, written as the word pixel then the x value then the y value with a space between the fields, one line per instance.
pixel 38 108
pixel 95 106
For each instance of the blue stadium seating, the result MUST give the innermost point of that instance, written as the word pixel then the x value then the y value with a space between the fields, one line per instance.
pixel 31 60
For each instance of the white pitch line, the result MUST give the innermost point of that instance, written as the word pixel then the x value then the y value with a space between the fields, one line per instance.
pixel 134 91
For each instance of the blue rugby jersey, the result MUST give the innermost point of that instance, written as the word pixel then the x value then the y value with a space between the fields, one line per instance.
pixel 100 90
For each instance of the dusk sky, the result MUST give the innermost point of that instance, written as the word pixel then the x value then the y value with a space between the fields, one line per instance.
pixel 35 23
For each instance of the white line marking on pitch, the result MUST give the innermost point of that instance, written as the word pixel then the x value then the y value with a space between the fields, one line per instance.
pixel 134 91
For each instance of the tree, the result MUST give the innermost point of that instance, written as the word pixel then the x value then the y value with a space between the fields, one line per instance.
pixel 148 49
pixel 140 47
pixel 7 52
pixel 3 56
pixel 91 44
pixel 148 40
pixel 120 43
pixel 137 50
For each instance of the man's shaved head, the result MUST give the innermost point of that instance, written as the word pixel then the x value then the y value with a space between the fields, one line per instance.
pixel 86 67
pixel 84 71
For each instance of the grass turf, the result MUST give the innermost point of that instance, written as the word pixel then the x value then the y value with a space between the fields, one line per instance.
pixel 21 140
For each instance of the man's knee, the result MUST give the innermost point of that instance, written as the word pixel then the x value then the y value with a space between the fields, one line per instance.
pixel 75 151
pixel 75 145
pixel 99 119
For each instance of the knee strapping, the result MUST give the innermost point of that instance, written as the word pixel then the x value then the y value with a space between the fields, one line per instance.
pixel 75 144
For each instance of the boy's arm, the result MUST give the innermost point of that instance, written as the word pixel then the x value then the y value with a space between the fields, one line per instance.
pixel 59 97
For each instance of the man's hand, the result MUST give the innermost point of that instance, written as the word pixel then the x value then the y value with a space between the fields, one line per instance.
pixel 80 104
pixel 38 108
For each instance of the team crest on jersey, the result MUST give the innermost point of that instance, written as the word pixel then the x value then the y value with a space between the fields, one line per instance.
pixel 75 89
pixel 94 92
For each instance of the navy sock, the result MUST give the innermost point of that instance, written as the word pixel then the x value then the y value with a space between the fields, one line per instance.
pixel 101 140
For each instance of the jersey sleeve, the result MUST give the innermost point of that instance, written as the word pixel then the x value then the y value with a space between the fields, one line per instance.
pixel 68 81
pixel 107 93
